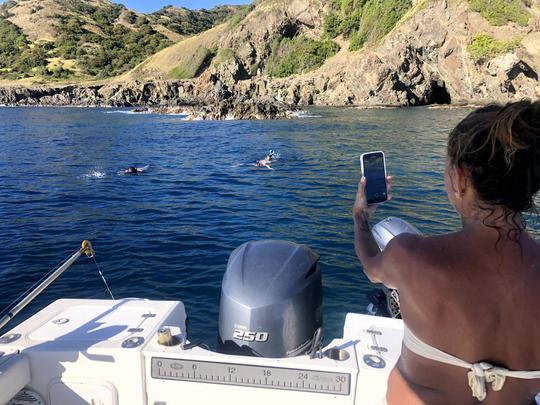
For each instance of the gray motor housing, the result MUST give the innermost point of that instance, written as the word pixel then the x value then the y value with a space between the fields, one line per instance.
pixel 271 300
pixel 384 232
pixel 389 228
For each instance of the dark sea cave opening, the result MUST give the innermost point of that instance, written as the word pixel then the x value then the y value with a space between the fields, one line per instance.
pixel 439 94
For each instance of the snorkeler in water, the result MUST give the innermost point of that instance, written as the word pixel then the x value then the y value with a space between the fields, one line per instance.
pixel 134 170
pixel 263 163
pixel 268 159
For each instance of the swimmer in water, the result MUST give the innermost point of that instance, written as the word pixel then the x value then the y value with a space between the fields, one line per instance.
pixel 264 162
pixel 270 157
pixel 134 170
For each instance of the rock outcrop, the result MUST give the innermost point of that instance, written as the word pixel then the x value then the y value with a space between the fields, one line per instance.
pixel 200 102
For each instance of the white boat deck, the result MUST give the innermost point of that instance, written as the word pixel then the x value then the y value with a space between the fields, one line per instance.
pixel 107 353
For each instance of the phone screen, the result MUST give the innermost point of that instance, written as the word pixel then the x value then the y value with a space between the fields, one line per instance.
pixel 374 172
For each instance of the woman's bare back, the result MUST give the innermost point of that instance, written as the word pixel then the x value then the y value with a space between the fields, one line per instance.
pixel 462 295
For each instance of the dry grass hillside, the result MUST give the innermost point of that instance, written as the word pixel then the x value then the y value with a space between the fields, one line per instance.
pixel 38 19
pixel 74 40
pixel 183 60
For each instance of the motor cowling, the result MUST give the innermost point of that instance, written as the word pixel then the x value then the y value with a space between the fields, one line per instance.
pixel 385 301
pixel 271 300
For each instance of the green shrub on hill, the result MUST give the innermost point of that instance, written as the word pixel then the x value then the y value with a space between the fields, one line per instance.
pixel 484 47
pixel 12 43
pixel 192 22
pixel 379 17
pixel 240 15
pixel 300 55
pixel 19 59
pixel 115 52
pixel 223 55
pixel 350 22
pixel 500 12
pixel 31 58
pixel 332 24
pixel 363 20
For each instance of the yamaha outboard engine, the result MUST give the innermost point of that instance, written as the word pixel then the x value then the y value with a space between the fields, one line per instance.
pixel 271 300
pixel 385 302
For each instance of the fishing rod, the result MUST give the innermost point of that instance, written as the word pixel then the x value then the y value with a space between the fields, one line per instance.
pixel 86 248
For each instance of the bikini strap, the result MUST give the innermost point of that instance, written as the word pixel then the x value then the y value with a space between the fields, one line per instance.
pixel 480 373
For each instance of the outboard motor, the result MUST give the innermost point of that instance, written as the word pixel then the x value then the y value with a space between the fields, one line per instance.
pixel 271 300
pixel 385 302
pixel 389 228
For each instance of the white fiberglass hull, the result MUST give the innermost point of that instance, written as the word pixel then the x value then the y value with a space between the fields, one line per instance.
pixel 107 352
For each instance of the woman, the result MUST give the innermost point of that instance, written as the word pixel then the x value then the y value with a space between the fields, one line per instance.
pixel 470 300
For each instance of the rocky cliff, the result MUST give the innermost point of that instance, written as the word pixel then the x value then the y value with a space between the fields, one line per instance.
pixel 440 51
pixel 426 59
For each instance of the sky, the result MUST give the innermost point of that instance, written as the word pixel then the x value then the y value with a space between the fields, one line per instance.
pixel 148 6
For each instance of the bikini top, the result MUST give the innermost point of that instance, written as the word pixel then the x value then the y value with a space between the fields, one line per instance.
pixel 480 373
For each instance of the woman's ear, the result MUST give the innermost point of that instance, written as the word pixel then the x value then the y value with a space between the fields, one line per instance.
pixel 453 185
pixel 462 181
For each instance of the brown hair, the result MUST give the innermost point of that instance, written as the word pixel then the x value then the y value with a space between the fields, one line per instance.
pixel 499 147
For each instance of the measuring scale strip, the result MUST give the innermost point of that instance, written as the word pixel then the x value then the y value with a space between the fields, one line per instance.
pixel 291 379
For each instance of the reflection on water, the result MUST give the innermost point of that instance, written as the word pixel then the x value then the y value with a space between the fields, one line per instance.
pixel 167 234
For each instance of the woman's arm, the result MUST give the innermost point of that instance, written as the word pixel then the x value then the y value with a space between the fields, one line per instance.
pixel 378 266
pixel 365 246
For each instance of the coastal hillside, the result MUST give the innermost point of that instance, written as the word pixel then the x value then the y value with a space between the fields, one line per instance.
pixel 397 52
pixel 321 52
pixel 48 40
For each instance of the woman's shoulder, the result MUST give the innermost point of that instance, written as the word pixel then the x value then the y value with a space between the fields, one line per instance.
pixel 402 250
pixel 406 244
pixel 412 251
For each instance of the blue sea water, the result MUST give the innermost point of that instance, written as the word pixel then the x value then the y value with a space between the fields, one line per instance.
pixel 167 234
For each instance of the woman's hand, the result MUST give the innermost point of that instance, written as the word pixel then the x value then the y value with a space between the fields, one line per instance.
pixel 361 209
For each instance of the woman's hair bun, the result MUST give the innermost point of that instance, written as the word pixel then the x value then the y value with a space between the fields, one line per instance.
pixel 500 148
pixel 516 128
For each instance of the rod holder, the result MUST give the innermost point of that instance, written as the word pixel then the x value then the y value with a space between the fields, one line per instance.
pixel 87 249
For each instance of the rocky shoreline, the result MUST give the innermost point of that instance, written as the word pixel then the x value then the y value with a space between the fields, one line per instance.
pixel 189 98
pixel 170 97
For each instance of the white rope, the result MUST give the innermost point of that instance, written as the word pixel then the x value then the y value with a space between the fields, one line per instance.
pixel 480 373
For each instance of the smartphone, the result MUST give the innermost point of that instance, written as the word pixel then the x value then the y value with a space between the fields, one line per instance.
pixel 374 170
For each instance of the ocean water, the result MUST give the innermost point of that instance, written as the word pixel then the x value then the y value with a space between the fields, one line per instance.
pixel 167 234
